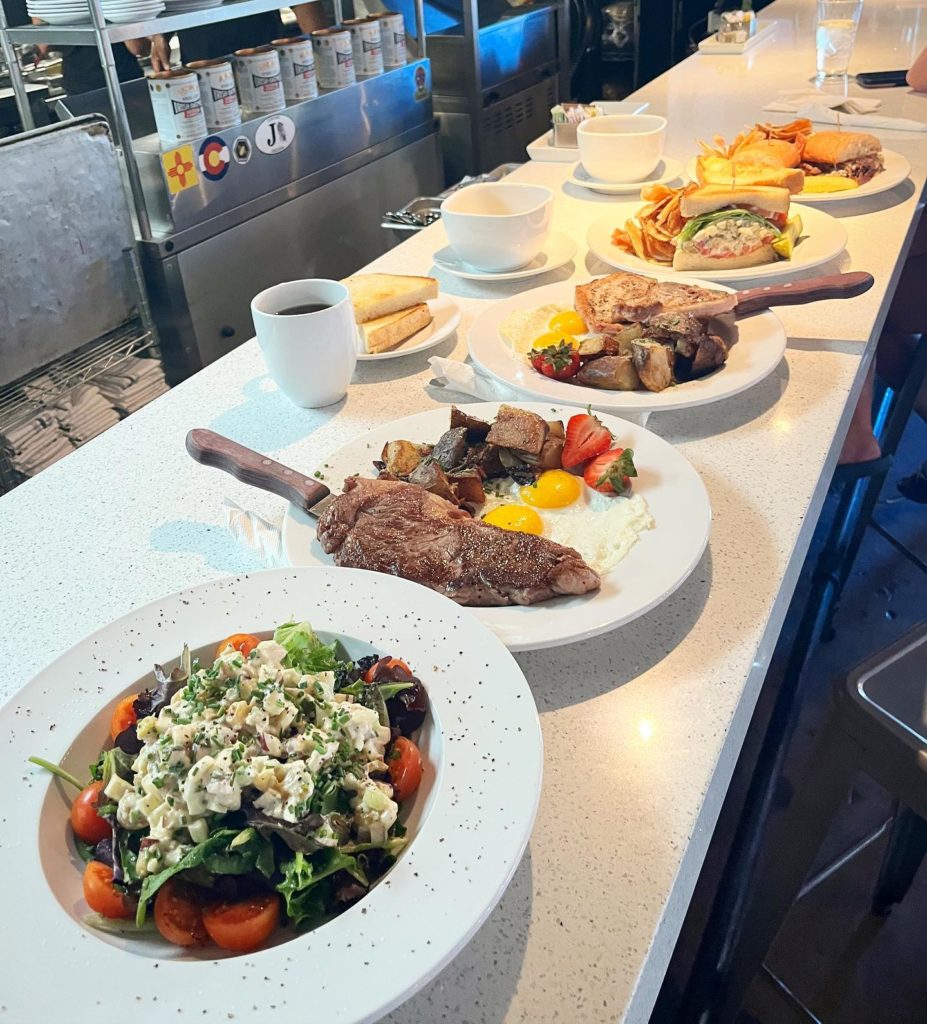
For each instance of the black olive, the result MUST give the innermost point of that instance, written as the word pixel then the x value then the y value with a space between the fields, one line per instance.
pixel 408 708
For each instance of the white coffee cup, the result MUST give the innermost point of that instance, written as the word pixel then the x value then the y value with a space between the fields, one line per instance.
pixel 621 147
pixel 498 226
pixel 311 356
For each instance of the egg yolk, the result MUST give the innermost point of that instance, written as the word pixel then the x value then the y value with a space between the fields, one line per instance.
pixel 553 489
pixel 515 517
pixel 569 321
pixel 554 338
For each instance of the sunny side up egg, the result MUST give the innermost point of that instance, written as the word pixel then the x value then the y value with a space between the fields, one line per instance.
pixel 525 329
pixel 602 528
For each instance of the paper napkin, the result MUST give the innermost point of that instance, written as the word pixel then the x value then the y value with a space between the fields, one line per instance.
pixel 823 115
pixel 793 101
pixel 465 379
pixel 255 533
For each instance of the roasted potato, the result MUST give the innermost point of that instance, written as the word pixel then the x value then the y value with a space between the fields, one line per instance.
pixel 468 486
pixel 654 363
pixel 589 348
pixel 451 449
pixel 432 477
pixel 611 373
pixel 550 457
pixel 402 457
pixel 619 342
pixel 477 429
pixel 711 353
pixel 556 428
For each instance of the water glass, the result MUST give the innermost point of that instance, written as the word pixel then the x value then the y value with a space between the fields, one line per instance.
pixel 835 34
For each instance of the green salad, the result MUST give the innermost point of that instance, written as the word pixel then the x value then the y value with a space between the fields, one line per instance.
pixel 261 790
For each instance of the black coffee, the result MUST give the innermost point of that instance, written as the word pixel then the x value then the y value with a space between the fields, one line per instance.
pixel 306 307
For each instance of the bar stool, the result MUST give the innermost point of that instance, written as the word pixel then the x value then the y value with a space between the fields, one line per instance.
pixel 878 725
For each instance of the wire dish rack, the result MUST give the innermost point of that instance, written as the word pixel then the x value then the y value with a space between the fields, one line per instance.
pixel 39 393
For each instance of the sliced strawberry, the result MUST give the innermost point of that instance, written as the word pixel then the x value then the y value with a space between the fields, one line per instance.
pixel 586 437
pixel 611 472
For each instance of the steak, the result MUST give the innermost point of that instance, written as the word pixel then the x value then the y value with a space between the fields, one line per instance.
pixel 631 298
pixel 398 528
pixel 861 170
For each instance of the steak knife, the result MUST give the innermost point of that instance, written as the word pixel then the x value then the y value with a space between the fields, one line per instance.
pixel 212 449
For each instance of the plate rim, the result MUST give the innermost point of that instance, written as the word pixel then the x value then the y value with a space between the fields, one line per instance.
pixel 621 187
pixel 296 520
pixel 768 271
pixel 512 275
pixel 516 698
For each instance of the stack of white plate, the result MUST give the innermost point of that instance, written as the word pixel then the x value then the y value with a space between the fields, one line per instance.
pixel 121 11
pixel 183 6
pixel 59 12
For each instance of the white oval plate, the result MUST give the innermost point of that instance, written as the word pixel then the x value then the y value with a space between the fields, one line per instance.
pixel 483 753
pixel 758 351
pixel 445 320
pixel 667 169
pixel 897 169
pixel 657 564
pixel 823 238
pixel 558 251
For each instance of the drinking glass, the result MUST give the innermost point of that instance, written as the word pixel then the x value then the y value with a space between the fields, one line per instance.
pixel 835 34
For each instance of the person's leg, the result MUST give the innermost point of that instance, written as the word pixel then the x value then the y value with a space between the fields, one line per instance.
pixel 860 444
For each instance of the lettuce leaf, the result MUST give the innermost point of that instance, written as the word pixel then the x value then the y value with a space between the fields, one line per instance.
pixel 307 900
pixel 695 225
pixel 304 650
pixel 228 851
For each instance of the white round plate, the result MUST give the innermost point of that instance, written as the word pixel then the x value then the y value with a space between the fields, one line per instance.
pixel 559 250
pixel 76 18
pixel 667 169
pixel 897 169
pixel 823 238
pixel 758 351
pixel 658 563
pixel 445 320
pixel 469 822
pixel 129 16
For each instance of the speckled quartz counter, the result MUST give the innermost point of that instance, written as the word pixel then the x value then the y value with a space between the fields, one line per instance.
pixel 641 727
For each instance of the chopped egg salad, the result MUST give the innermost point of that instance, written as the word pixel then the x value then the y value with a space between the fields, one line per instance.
pixel 562 508
pixel 266 784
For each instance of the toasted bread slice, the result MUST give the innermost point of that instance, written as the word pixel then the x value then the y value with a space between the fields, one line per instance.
pixel 386 332
pixel 378 295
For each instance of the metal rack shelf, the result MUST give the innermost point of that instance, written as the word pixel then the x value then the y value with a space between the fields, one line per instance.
pixel 86 35
pixel 44 386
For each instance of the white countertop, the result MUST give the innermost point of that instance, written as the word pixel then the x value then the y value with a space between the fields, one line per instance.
pixel 641 727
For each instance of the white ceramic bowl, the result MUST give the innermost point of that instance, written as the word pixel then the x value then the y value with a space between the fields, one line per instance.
pixel 621 147
pixel 498 226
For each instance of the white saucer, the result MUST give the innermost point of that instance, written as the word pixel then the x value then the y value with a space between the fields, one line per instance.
pixel 667 169
pixel 560 249
pixel 445 320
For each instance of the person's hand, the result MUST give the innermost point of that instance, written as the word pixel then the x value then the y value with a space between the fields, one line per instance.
pixel 138 47
pixel 160 54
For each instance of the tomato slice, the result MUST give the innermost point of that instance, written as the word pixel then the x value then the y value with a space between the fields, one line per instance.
pixel 242 642
pixel 123 716
pixel 405 767
pixel 100 893
pixel 86 823
pixel 243 925
pixel 178 913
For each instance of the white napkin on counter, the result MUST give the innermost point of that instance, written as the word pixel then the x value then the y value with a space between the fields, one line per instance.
pixel 824 115
pixel 255 533
pixel 792 102
pixel 465 379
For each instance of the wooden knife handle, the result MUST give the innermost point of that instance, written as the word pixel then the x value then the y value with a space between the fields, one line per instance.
pixel 212 449
pixel 796 293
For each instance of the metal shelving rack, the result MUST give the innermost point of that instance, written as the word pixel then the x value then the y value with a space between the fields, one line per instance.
pixel 102 35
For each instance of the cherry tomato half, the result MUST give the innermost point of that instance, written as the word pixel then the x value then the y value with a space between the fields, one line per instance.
pixel 86 823
pixel 243 642
pixel 178 913
pixel 373 672
pixel 100 893
pixel 405 767
pixel 123 716
pixel 243 925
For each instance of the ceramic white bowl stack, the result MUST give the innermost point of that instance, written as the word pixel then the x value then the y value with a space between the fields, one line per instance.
pixel 59 12
pixel 183 6
pixel 122 11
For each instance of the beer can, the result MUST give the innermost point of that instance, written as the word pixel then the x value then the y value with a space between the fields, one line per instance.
pixel 366 46
pixel 218 93
pixel 334 57
pixel 177 107
pixel 257 72
pixel 297 68
pixel 392 38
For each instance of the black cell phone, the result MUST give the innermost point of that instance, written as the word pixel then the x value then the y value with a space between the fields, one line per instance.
pixel 881 79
